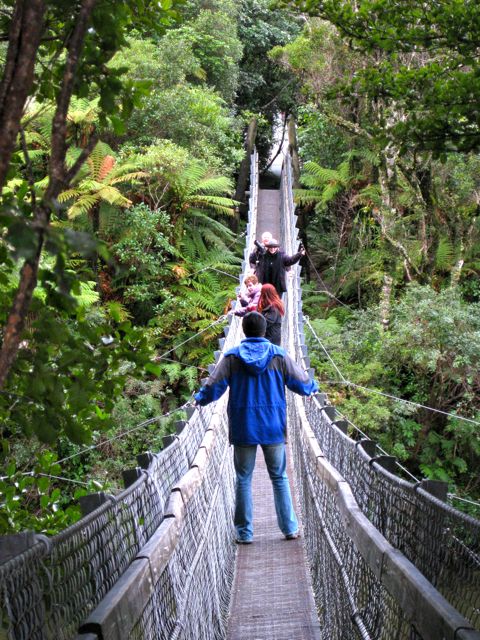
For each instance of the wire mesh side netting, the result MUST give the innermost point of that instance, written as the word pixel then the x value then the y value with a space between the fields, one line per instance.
pixel 191 597
pixel 47 591
pixel 442 543
pixel 56 585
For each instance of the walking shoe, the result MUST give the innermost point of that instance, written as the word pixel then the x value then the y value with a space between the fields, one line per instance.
pixel 240 541
pixel 292 536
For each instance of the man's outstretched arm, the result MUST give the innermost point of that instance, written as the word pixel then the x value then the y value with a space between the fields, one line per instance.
pixel 298 380
pixel 216 384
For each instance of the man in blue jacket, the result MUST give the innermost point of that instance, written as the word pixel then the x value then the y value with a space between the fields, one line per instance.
pixel 257 373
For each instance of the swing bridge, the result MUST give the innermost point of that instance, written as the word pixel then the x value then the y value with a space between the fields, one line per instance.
pixel 385 558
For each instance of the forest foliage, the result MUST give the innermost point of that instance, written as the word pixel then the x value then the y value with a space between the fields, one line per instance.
pixel 121 241
pixel 388 133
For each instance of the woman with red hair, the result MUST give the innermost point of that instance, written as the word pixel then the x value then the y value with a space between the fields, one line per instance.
pixel 271 307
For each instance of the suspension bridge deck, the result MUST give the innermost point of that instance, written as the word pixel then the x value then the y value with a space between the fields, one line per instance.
pixel 268 212
pixel 272 597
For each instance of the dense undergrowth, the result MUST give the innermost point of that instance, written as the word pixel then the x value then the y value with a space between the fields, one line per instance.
pixel 138 253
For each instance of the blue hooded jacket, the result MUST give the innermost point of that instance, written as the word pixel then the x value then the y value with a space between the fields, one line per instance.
pixel 257 373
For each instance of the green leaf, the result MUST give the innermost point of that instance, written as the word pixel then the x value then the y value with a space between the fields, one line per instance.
pixel 153 368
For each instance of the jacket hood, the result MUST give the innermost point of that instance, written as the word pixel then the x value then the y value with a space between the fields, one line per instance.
pixel 256 353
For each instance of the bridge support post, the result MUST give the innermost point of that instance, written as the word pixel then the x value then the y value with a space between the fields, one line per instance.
pixel 93 501
pixel 15 544
pixel 387 462
pixel 436 488
pixel 131 475
pixel 369 446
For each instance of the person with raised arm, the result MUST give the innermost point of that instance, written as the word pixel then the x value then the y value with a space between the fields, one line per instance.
pixel 257 373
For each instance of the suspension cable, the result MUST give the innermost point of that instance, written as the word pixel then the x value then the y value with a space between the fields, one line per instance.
pixel 307 320
pixel 217 321
pixel 452 496
pixel 184 364
pixel 381 449
pixel 140 425
pixel 322 282
pixel 381 393
pixel 348 383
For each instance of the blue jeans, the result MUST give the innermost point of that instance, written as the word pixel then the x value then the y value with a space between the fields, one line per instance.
pixel 276 461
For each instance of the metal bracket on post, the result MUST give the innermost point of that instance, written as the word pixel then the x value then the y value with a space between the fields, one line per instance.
pixel 303 350
pixel 387 462
pixel 330 410
pixel 369 446
pixel 145 459
pixel 436 488
pixel 180 426
pixel 342 425
pixel 93 501
pixel 322 398
pixel 130 476
pixel 15 544
pixel 167 441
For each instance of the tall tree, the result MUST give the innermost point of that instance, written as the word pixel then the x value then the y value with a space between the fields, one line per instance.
pixel 421 63
pixel 72 40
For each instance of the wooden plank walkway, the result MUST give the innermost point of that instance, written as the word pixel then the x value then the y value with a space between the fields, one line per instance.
pixel 268 210
pixel 272 596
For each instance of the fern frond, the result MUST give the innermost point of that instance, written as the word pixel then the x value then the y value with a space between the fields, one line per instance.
pixel 87 296
pixel 321 173
pixel 35 137
pixel 113 196
pixel 216 185
pixel 220 205
pixel 363 153
pixel 330 192
pixel 68 195
pixel 307 196
pixel 96 158
pixel 128 177
pixel 445 254
pixel 83 205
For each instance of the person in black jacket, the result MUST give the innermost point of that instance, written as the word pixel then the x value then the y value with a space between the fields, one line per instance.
pixel 272 265
pixel 260 249
pixel 271 307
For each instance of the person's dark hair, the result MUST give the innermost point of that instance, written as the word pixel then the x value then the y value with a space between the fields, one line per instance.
pixel 270 298
pixel 254 325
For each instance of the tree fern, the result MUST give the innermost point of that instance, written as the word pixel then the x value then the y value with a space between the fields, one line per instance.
pixel 88 296
pixel 370 156
pixel 445 254
pixel 317 175
pixel 307 196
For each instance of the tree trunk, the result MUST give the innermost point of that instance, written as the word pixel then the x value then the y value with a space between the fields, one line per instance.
pixel 385 298
pixel 26 30
pixel 59 178
pixel 293 148
pixel 244 171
